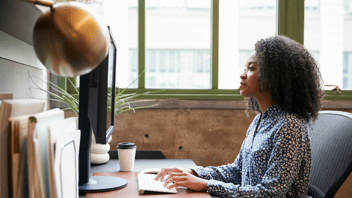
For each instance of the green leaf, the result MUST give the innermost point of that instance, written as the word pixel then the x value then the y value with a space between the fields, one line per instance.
pixel 122 101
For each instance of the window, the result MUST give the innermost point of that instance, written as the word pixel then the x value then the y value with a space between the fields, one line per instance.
pixel 327 36
pixel 196 49
pixel 178 52
pixel 122 18
pixel 183 27
pixel 347 70
pixel 173 61
pixel 241 24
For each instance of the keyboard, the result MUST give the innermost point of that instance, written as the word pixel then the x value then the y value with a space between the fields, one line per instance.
pixel 146 183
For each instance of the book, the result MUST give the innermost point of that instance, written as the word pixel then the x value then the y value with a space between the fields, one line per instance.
pixel 64 137
pixel 53 147
pixel 8 109
pixel 66 164
pixel 4 96
pixel 41 152
pixel 18 157
pixel 38 151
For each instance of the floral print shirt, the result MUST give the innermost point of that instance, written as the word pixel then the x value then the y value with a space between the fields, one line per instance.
pixel 274 160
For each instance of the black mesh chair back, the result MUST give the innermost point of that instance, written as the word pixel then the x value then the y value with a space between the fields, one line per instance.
pixel 331 142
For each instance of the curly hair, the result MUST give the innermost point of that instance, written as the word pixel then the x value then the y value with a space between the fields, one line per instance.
pixel 291 75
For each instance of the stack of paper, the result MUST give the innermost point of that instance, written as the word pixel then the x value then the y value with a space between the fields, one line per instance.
pixel 43 153
pixel 38 147
pixel 3 176
pixel 12 108
pixel 64 139
pixel 53 146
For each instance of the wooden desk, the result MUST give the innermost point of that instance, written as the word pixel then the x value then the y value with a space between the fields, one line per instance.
pixel 140 164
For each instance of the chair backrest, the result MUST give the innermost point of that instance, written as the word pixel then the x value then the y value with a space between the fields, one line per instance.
pixel 331 142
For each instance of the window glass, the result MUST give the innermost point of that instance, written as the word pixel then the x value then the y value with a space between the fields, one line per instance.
pixel 328 26
pixel 178 36
pixel 347 70
pixel 241 24
pixel 121 16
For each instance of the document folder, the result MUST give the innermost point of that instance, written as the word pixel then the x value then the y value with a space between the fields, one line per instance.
pixel 38 149
pixel 12 108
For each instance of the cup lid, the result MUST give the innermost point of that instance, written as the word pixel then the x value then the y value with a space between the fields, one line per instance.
pixel 126 145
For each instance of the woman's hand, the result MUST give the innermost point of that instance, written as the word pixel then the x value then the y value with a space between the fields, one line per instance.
pixel 175 177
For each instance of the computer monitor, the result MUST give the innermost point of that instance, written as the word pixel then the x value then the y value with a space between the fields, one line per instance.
pixel 93 97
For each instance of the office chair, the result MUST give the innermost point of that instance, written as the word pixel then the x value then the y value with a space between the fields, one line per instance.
pixel 331 142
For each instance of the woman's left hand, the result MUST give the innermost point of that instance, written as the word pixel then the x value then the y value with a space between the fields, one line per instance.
pixel 176 177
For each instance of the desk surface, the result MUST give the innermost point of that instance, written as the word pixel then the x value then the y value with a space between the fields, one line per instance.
pixel 140 164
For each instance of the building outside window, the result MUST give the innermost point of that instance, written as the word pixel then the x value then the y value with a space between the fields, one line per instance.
pixel 347 70
pixel 328 29
pixel 178 39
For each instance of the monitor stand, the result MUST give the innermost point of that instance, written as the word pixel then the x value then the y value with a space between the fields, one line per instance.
pixel 102 184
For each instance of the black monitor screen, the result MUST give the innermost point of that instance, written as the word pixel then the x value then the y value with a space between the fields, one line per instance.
pixel 111 89
pixel 94 112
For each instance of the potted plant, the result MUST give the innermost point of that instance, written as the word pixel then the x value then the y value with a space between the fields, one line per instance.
pixel 123 102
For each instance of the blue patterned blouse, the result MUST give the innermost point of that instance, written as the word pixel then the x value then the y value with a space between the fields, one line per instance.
pixel 274 160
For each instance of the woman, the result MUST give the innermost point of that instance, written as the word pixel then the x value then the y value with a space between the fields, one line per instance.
pixel 282 82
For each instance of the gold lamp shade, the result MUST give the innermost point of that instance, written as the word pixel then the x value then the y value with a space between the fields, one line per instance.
pixel 70 39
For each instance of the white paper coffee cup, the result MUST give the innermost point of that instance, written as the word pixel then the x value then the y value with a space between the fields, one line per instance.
pixel 127 154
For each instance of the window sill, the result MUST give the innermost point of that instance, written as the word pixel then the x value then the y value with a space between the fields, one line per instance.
pixel 230 104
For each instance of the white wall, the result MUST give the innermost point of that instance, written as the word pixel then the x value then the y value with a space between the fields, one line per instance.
pixel 17 58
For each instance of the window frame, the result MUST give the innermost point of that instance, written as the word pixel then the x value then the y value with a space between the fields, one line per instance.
pixel 290 22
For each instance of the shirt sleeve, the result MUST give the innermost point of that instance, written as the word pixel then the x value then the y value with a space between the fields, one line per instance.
pixel 230 173
pixel 283 167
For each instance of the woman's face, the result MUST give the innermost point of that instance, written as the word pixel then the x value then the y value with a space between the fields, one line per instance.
pixel 250 83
